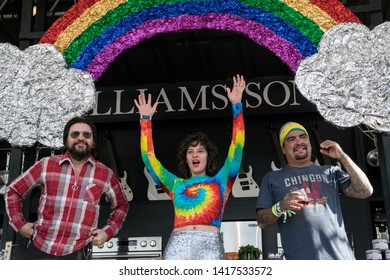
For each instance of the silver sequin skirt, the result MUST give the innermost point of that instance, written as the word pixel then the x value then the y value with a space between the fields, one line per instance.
pixel 194 245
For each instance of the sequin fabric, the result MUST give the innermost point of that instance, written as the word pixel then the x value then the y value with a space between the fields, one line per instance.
pixel 194 245
pixel 94 32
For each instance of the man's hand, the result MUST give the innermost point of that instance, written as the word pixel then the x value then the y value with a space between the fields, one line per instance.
pixel 27 230
pixel 331 149
pixel 99 237
pixel 292 201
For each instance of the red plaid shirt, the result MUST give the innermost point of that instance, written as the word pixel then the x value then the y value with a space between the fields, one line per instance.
pixel 68 208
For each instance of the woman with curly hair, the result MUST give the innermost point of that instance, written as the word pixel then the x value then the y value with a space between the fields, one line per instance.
pixel 199 196
pixel 191 141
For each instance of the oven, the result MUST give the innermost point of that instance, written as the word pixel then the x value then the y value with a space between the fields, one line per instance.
pixel 129 248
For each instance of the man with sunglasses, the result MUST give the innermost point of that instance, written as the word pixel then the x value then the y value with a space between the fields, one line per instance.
pixel 68 211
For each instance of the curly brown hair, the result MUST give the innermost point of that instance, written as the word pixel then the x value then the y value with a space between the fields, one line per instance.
pixel 191 141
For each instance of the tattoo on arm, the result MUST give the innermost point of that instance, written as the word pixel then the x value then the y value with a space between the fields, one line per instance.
pixel 360 186
pixel 265 217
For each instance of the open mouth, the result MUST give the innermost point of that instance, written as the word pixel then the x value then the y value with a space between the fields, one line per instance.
pixel 300 149
pixel 195 163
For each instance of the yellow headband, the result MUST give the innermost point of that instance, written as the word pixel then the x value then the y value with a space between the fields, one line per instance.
pixel 287 128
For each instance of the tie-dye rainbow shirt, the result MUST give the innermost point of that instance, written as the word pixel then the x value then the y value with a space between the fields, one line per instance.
pixel 199 200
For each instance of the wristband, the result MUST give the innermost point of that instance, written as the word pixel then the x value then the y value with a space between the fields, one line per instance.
pixel 288 213
pixel 276 209
pixel 145 117
pixel 278 212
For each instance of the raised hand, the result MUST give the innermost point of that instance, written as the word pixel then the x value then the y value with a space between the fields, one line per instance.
pixel 235 94
pixel 144 106
pixel 331 149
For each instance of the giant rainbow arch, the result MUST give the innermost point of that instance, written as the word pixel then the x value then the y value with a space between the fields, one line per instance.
pixel 92 33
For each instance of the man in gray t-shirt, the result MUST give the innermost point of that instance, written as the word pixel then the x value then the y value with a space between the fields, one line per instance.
pixel 304 198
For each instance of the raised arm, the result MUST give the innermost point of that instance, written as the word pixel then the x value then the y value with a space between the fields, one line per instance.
pixel 232 163
pixel 360 186
pixel 160 175
pixel 238 134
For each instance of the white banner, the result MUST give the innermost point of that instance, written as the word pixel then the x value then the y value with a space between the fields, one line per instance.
pixel 156 269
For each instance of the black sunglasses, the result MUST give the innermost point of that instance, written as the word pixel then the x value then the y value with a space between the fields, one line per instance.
pixel 75 134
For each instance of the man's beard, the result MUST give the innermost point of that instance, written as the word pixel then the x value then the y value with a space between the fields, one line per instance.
pixel 301 157
pixel 304 156
pixel 79 154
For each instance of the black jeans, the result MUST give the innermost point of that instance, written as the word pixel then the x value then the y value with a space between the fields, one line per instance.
pixel 33 253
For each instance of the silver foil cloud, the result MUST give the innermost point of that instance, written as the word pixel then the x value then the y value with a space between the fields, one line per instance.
pixel 38 95
pixel 349 78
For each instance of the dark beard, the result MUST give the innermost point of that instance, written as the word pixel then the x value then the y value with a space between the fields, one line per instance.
pixel 79 154
pixel 305 156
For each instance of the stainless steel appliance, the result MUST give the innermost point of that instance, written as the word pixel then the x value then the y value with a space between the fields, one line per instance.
pixel 129 248
pixel 240 233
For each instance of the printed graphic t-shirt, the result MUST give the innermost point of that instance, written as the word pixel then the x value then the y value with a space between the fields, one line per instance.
pixel 317 231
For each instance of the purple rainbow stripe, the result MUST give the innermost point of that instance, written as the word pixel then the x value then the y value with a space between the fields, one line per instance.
pixel 260 34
